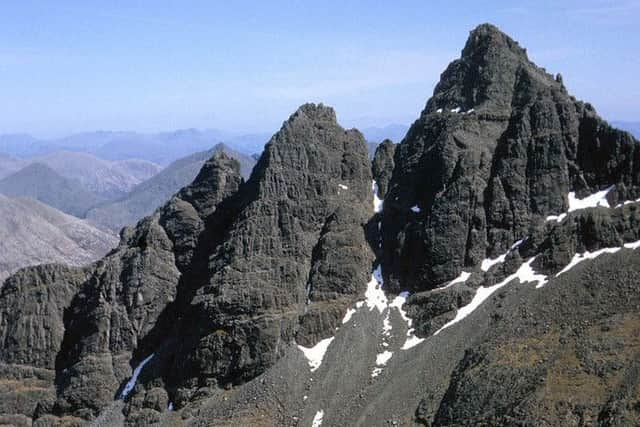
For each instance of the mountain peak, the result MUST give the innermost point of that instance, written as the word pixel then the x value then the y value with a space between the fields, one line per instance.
pixel 486 38
pixel 492 71
pixel 314 112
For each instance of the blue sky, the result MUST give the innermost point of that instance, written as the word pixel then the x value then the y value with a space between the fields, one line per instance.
pixel 70 66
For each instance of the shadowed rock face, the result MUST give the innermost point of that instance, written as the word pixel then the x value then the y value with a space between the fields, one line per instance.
pixel 292 259
pixel 382 166
pixel 495 151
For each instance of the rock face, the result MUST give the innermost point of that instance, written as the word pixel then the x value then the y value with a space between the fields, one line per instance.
pixel 496 150
pixel 218 283
pixel 278 274
pixel 510 222
pixel 382 166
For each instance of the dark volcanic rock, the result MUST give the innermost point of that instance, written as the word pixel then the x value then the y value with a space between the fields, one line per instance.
pixel 130 289
pixel 495 151
pixel 292 259
pixel 382 166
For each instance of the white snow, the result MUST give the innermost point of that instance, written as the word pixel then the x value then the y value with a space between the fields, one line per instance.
pixel 412 340
pixel 374 295
pixel 487 263
pixel 456 110
pixel 578 258
pixel 377 203
pixel 632 245
pixel 463 277
pixel 592 201
pixel 344 187
pixel 134 378
pixel 317 419
pixel 415 209
pixel 383 358
pixel 439 110
pixel 305 397
pixel 626 202
pixel 524 274
pixel 490 262
pixel 350 312
pixel 470 111
pixel 316 353
pixel 170 408
pixel 386 325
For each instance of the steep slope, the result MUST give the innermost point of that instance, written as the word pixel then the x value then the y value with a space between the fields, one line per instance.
pixel 107 307
pixel 32 233
pixel 496 150
pixel 146 197
pixel 42 183
pixel 109 179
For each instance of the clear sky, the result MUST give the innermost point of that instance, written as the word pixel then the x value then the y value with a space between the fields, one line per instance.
pixel 69 66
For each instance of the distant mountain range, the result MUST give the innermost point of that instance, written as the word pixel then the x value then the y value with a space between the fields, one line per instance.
pixel 146 197
pixel 161 148
pixel 40 182
pixel 394 132
pixel 33 233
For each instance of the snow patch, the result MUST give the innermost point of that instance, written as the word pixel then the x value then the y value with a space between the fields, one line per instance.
pixel 456 110
pixel 632 245
pixel 374 295
pixel 593 201
pixel 439 110
pixel 348 315
pixel 317 419
pixel 412 340
pixel 344 187
pixel 578 258
pixel 463 277
pixel 377 202
pixel 134 378
pixel 487 263
pixel 524 274
pixel 316 353
pixel 170 407
pixel 383 358
pixel 415 209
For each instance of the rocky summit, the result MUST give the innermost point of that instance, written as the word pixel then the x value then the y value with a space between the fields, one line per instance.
pixel 483 271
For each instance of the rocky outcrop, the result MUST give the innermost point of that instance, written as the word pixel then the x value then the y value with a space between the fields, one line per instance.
pixel 382 166
pixel 292 259
pixel 496 150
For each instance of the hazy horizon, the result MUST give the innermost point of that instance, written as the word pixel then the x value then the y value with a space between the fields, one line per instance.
pixel 73 67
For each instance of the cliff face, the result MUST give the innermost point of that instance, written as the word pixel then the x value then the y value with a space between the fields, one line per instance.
pixel 496 150
pixel 464 291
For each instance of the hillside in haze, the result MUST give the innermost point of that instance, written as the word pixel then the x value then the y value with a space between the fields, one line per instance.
pixel 40 182
pixel 33 233
pixel 146 197
pixel 161 148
